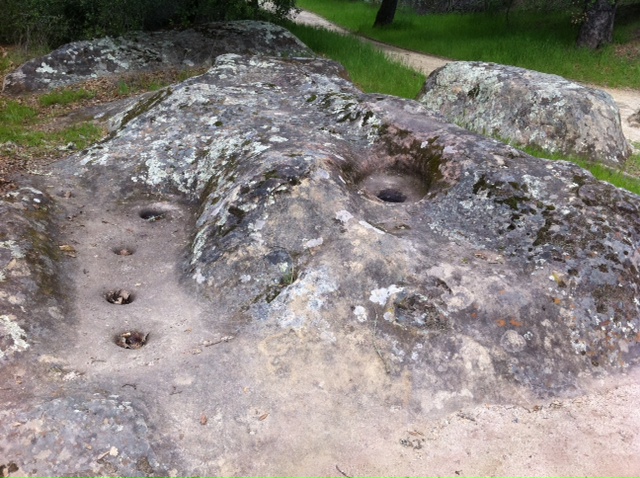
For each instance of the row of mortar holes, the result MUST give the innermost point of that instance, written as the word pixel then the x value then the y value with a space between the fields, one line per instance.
pixel 131 339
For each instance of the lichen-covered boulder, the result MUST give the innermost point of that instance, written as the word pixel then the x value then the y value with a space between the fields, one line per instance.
pixel 140 51
pixel 316 269
pixel 529 108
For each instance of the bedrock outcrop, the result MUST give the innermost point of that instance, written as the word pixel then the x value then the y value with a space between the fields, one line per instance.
pixel 310 258
pixel 140 51
pixel 529 108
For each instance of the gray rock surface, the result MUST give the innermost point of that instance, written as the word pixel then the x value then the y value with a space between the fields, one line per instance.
pixel 529 108
pixel 322 274
pixel 83 60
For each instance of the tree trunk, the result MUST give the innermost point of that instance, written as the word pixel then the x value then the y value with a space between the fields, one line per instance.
pixel 597 29
pixel 386 13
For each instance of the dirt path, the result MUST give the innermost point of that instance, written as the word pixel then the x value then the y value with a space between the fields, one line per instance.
pixel 628 100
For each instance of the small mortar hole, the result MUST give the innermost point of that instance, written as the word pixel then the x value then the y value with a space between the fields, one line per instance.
pixel 152 215
pixel 119 297
pixel 123 250
pixel 131 339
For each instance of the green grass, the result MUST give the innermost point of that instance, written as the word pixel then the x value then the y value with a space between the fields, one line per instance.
pixel 619 178
pixel 18 125
pixel 81 135
pixel 369 69
pixel 13 113
pixel 15 120
pixel 538 41
pixel 123 88
pixel 65 97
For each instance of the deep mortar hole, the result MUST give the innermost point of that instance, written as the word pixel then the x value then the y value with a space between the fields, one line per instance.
pixel 123 250
pixel 119 297
pixel 131 339
pixel 395 186
pixel 152 214
pixel 391 195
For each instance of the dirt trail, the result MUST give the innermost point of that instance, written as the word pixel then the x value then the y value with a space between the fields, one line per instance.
pixel 628 100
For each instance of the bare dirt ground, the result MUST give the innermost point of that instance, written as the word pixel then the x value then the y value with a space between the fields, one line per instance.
pixel 628 100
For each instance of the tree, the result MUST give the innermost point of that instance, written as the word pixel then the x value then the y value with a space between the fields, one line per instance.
pixel 386 13
pixel 597 26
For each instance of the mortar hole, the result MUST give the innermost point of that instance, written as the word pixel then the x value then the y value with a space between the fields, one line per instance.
pixel 394 186
pixel 123 250
pixel 391 195
pixel 131 339
pixel 119 297
pixel 152 215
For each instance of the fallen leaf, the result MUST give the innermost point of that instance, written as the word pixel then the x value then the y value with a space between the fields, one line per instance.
pixel 68 250
pixel 559 279
pixel 263 417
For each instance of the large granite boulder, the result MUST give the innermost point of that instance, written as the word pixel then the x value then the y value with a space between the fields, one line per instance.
pixel 140 51
pixel 529 108
pixel 312 276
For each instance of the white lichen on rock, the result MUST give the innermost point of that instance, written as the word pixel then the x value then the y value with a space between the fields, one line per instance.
pixel 17 335
pixel 381 295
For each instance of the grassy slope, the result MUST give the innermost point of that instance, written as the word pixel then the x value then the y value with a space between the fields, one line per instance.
pixel 538 41
pixel 369 68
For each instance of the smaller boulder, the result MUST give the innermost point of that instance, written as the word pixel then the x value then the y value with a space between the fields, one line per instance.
pixel 140 51
pixel 529 108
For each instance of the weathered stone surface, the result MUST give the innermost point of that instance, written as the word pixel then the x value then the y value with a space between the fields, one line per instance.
pixel 95 435
pixel 313 258
pixel 29 285
pixel 529 108
pixel 83 60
